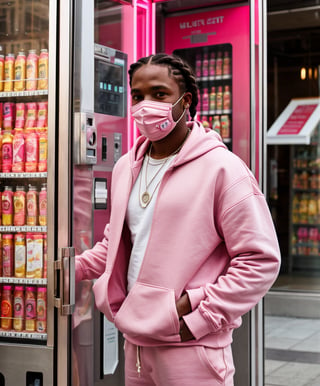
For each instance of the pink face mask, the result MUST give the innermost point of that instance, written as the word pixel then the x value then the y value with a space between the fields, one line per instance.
pixel 154 119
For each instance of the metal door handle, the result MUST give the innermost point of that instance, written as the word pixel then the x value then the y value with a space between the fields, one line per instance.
pixel 64 285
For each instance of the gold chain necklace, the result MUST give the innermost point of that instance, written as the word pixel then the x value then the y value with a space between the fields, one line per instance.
pixel 146 197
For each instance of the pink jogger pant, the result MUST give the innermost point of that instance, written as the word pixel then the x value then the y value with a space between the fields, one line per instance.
pixel 178 366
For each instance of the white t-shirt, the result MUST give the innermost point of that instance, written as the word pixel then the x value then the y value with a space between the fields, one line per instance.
pixel 139 219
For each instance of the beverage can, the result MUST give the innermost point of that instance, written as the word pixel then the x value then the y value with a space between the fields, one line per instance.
pixel 20 255
pixel 7 206
pixel 9 72
pixel 18 308
pixel 18 152
pixel 43 70
pixel 20 72
pixel 1 150
pixel 32 149
pixel 31 114
pixel 6 307
pixel 8 116
pixel 32 71
pixel 43 150
pixel 30 256
pixel 38 255
pixel 7 152
pixel 7 255
pixel 41 310
pixel 1 72
pixel 1 115
pixel 32 205
pixel 43 205
pixel 30 309
pixel 19 206
pixel 20 116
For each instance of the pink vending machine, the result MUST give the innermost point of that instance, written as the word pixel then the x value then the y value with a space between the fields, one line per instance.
pixel 216 44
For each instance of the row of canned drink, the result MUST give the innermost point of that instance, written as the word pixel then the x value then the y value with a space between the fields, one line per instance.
pixel 23 308
pixel 21 72
pixel 23 255
pixel 24 206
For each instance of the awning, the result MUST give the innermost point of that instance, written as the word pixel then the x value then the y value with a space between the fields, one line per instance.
pixel 296 123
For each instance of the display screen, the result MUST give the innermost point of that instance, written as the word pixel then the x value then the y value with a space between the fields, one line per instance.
pixel 109 89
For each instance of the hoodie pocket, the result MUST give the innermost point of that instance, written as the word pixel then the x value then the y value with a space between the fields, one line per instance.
pixel 149 312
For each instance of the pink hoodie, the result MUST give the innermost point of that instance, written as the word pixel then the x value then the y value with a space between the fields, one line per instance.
pixel 212 236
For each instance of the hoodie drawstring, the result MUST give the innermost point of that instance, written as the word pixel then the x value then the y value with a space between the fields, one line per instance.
pixel 138 363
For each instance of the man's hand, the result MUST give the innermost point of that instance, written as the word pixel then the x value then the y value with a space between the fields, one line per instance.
pixel 183 308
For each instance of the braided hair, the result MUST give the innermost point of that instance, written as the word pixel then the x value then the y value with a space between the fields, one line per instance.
pixel 178 68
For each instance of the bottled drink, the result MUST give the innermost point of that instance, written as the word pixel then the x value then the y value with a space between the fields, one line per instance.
pixel 198 66
pixel 20 72
pixel 219 64
pixel 20 116
pixel 6 307
pixel 216 124
pixel 32 205
pixel 43 70
pixel 19 206
pixel 43 150
pixel 32 71
pixel 8 116
pixel 43 205
pixel 205 100
pixel 41 310
pixel 45 256
pixel 38 255
pixel 18 152
pixel 18 308
pixel 1 72
pixel 7 255
pixel 31 115
pixel 212 99
pixel 205 65
pixel 42 120
pixel 9 72
pixel 20 255
pixel 7 206
pixel 219 98
pixel 225 126
pixel 32 150
pixel 30 256
pixel 212 64
pixel 226 98
pixel 226 64
pixel 7 149
pixel 30 309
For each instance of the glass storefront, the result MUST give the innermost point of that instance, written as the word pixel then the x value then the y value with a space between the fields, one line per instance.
pixel 292 327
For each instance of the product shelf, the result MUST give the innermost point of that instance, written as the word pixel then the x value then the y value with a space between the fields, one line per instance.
pixel 23 335
pixel 14 94
pixel 23 280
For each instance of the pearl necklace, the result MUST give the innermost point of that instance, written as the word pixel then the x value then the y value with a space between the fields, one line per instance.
pixel 146 197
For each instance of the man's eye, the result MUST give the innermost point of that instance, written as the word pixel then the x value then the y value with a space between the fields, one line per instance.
pixel 136 98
